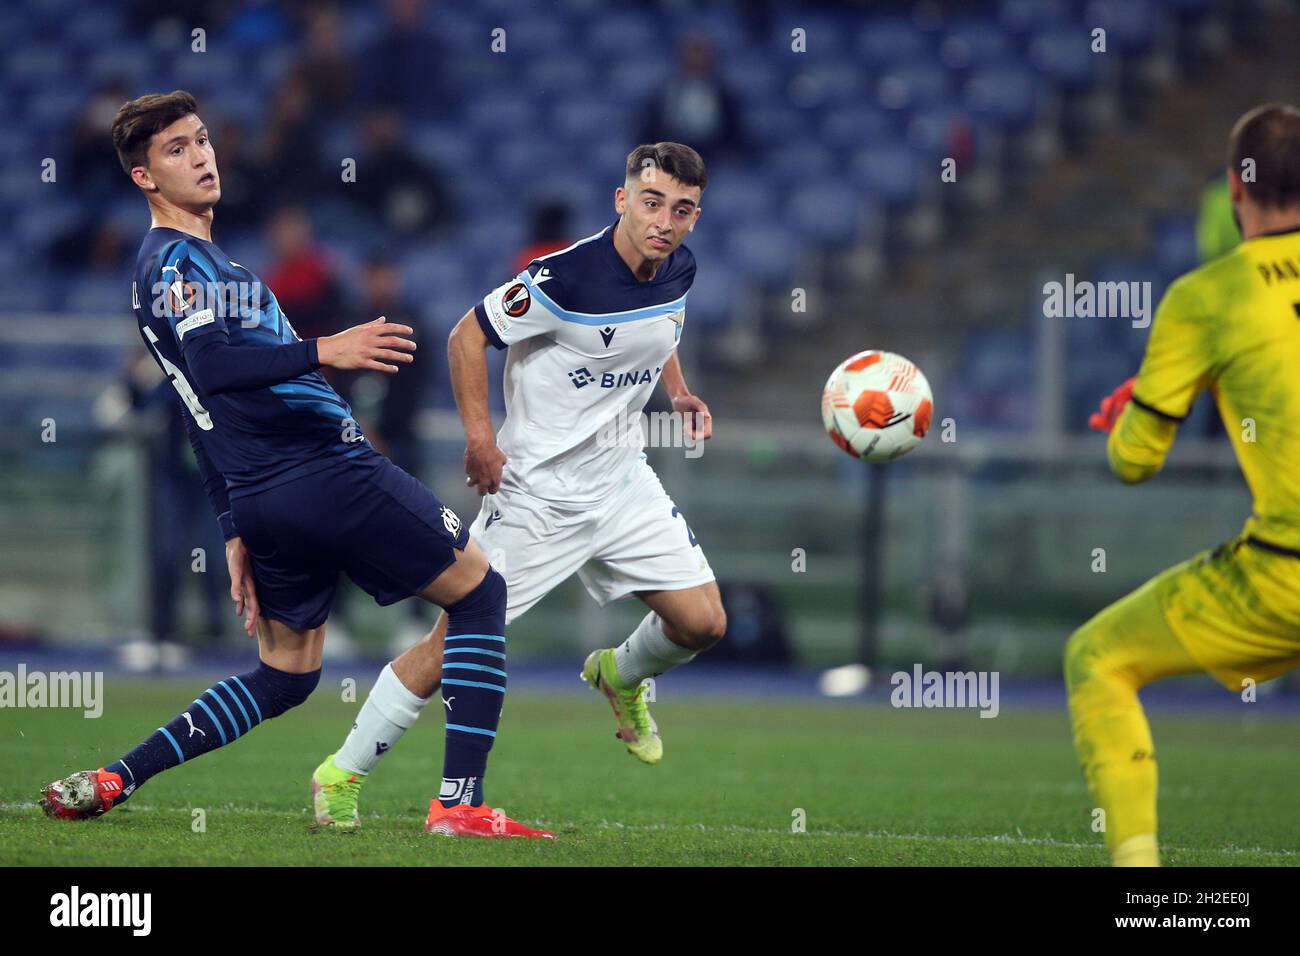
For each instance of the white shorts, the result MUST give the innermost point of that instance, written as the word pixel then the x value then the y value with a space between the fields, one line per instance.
pixel 635 540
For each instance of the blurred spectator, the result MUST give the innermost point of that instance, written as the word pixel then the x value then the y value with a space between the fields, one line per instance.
pixel 550 232
pixel 96 245
pixel 393 184
pixel 177 17
pixel 95 169
pixel 302 275
pixel 325 67
pixel 385 405
pixel 242 180
pixel 290 150
pixel 695 107
pixel 180 515
pixel 403 64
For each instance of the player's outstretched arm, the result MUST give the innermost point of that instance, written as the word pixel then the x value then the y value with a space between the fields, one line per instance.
pixel 467 356
pixel 375 345
pixel 219 367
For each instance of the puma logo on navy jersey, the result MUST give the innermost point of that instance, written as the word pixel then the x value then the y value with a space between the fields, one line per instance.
pixel 607 334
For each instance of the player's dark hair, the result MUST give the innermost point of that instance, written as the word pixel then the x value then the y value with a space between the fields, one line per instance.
pixel 1269 136
pixel 139 119
pixel 680 162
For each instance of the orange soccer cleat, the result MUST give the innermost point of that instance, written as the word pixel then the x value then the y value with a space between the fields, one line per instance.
pixel 81 796
pixel 464 820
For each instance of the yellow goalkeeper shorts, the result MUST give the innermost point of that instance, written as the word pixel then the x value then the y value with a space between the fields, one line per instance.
pixel 1236 609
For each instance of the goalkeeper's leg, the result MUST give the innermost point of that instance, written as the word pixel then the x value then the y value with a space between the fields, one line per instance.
pixel 1121 650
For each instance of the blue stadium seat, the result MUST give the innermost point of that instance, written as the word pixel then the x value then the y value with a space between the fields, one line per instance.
pixel 826 214
pixel 887 41
pixel 930 131
pixel 1130 25
pixel 720 26
pixel 501 114
pixel 889 172
pixel 1005 96
pixel 99 294
pixel 806 160
pixel 916 86
pixel 750 76
pixel 851 127
pixel 972 44
pixel 1028 16
pixel 615 33
pixel 214 71
pixel 630 80
pixel 828 85
pixel 41 221
pixel 1063 54
pixel 31 66
pixel 1175 245
pixel 713 296
pixel 561 79
pixel 530 34
pixel 772 121
pixel 446 145
pixel 761 252
pixel 1189 9
pixel 92 29
pixel 734 196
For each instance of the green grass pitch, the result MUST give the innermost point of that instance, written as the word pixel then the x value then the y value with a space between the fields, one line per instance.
pixel 877 786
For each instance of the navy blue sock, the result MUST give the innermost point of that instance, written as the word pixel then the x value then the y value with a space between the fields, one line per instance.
pixel 473 688
pixel 221 715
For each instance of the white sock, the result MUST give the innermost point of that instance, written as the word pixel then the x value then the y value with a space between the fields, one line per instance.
pixel 648 653
pixel 388 712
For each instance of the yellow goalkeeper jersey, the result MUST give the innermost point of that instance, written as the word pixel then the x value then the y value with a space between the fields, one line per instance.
pixel 1232 326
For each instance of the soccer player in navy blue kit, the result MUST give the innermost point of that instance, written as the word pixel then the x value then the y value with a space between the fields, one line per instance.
pixel 299 492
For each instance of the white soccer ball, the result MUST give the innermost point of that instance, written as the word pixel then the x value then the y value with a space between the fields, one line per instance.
pixel 877 406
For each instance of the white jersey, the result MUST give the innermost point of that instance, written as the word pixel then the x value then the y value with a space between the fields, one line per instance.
pixel 587 342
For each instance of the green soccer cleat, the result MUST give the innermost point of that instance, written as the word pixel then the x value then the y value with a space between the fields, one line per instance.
pixel 636 728
pixel 334 793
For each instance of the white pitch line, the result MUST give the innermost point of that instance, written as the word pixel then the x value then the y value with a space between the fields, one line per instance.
pixel 1005 839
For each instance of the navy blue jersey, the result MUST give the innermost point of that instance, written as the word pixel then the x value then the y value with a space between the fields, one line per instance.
pixel 258 412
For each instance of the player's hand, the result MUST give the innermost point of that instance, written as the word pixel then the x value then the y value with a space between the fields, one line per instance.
pixel 695 417
pixel 377 345
pixel 1111 406
pixel 242 590
pixel 484 462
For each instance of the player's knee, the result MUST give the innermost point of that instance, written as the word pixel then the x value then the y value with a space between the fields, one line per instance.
pixel 709 628
pixel 285 690
pixel 484 607
pixel 1080 658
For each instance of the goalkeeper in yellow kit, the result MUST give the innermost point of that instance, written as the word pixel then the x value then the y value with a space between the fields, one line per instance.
pixel 1232 326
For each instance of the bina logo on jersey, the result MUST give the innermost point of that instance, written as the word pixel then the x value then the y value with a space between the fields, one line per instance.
pixel 582 377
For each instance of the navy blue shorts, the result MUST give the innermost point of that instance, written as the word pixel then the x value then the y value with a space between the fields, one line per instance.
pixel 363 517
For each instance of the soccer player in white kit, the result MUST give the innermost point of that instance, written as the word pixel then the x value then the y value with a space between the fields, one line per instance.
pixel 566 487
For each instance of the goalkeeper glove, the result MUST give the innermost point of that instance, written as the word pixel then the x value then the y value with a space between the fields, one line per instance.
pixel 1111 406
